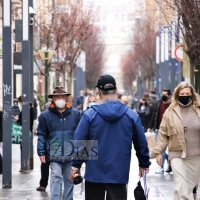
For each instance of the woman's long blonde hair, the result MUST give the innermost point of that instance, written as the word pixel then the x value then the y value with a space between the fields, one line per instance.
pixel 182 85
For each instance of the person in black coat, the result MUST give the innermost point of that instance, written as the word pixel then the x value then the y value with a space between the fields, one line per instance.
pixel 35 105
pixel 144 112
pixel 44 167
pixel 19 117
pixel 80 101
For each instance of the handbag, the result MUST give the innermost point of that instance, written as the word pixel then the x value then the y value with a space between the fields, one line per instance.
pixel 141 193
pixel 17 133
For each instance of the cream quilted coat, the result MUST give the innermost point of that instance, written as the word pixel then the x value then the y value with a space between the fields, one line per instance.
pixel 171 132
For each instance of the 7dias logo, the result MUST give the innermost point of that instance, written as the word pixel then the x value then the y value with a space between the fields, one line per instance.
pixel 73 150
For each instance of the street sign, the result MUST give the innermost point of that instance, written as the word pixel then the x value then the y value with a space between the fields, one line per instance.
pixel 178 53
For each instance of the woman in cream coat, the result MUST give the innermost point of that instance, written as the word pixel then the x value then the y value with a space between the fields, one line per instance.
pixel 180 131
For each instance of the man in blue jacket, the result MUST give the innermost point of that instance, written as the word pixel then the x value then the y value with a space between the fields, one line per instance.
pixel 115 127
pixel 56 127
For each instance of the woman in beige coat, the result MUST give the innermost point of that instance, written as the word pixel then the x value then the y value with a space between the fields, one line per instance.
pixel 180 131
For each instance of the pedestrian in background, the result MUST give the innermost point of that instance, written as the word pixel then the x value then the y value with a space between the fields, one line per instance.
pixel 130 101
pixel 44 167
pixel 56 126
pixel 80 101
pixel 179 131
pixel 35 109
pixel 153 95
pixel 124 99
pixel 35 105
pixel 152 103
pixel 115 126
pixel 88 93
pixel 144 113
pixel 19 121
pixel 162 105
pixel 91 101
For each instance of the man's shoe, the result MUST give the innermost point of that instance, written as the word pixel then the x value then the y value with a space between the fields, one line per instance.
pixel 161 171
pixel 169 169
pixel 41 189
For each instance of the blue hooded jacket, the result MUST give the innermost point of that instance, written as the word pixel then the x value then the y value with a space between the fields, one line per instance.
pixel 54 131
pixel 115 127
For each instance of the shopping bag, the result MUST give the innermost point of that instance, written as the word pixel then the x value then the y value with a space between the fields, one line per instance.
pixel 16 133
pixel 79 191
pixel 141 192
pixel 151 140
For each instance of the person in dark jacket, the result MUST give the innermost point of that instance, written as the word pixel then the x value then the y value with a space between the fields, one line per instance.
pixel 80 101
pixel 19 121
pixel 19 118
pixel 44 167
pixel 56 127
pixel 162 105
pixel 152 103
pixel 144 113
pixel 35 105
pixel 115 126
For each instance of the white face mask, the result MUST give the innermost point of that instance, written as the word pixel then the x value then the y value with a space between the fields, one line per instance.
pixel 91 104
pixel 60 103
pixel 20 106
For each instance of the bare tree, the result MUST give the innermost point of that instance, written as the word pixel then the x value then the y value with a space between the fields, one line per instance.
pixel 187 15
pixel 144 51
pixel 65 28
pixel 94 49
pixel 129 70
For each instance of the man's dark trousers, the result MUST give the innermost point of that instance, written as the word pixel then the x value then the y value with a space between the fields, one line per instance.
pixel 44 174
pixel 97 191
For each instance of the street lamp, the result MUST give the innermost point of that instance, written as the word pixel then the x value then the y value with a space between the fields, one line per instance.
pixel 46 56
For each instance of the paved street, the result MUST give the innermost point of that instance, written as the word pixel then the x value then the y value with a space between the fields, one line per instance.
pixel 24 185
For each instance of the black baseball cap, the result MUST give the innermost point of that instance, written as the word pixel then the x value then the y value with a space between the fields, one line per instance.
pixel 106 79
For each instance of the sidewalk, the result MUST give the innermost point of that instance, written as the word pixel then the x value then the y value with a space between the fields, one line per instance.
pixel 24 185
pixel 161 185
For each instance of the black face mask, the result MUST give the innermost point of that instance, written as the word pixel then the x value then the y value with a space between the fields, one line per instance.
pixel 164 98
pixel 184 99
